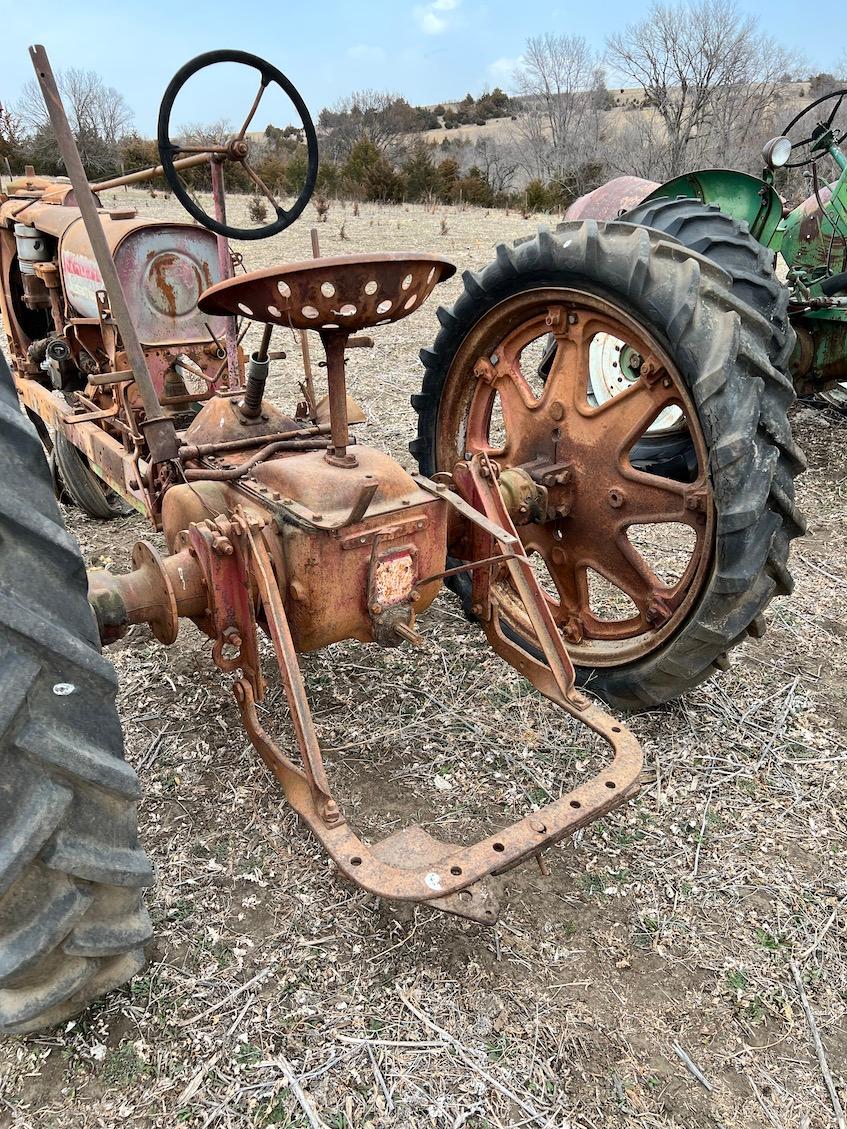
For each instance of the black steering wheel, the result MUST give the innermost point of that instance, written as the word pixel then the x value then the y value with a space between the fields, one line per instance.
pixel 236 149
pixel 823 126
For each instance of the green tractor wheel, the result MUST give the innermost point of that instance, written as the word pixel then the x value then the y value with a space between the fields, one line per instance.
pixel 728 243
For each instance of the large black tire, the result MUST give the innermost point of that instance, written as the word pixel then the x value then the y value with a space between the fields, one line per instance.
pixel 723 350
pixel 89 492
pixel 729 244
pixel 72 921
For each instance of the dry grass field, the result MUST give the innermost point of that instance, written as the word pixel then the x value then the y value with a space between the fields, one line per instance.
pixel 663 936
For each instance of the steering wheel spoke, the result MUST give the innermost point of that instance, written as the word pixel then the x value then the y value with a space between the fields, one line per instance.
pixel 263 85
pixel 257 180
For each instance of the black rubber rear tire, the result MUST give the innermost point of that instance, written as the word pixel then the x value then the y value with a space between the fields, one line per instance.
pixel 72 921
pixel 723 350
pixel 728 243
pixel 89 492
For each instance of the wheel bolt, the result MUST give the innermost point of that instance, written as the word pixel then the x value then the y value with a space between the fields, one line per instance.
pixel 616 498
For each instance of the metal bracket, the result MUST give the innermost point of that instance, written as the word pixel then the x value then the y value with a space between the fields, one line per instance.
pixel 440 490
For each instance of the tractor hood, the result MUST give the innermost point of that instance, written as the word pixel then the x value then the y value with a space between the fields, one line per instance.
pixel 163 268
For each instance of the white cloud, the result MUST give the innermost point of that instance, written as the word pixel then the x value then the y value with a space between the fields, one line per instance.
pixel 432 18
pixel 502 71
pixel 367 53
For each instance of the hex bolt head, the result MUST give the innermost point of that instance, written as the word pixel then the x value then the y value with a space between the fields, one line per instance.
pixel 331 813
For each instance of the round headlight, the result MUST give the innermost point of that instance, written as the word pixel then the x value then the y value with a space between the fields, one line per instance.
pixel 776 152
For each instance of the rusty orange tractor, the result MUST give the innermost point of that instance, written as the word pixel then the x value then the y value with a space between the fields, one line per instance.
pixel 125 342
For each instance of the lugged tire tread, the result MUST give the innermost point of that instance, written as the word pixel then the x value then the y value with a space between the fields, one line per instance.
pixel 732 354
pixel 42 932
pixel 71 868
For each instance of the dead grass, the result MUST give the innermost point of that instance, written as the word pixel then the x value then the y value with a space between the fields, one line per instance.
pixel 279 996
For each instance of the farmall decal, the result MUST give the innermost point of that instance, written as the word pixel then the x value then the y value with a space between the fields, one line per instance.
pixel 82 281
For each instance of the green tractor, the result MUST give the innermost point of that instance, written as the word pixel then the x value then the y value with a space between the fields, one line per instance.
pixel 669 509
pixel 811 238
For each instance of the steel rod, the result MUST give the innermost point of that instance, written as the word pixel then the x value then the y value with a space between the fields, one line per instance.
pixel 140 175
pixel 197 450
pixel 158 428
pixel 225 262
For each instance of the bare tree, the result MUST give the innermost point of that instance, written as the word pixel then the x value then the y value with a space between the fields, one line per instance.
pixel 377 115
pixel 708 74
pixel 559 128
pixel 205 133
pixel 497 162
pixel 98 116
pixel 9 133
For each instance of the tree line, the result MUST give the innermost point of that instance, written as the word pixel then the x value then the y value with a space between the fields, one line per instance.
pixel 710 86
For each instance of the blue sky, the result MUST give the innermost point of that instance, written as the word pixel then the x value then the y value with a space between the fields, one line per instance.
pixel 428 50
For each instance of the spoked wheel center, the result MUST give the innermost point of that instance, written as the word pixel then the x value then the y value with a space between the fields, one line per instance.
pixel 626 552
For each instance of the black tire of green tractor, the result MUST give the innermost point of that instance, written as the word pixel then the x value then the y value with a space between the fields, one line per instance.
pixel 728 243
pixel 87 491
pixel 72 921
pixel 723 351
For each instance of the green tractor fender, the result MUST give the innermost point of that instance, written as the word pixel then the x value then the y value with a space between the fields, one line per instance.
pixel 737 194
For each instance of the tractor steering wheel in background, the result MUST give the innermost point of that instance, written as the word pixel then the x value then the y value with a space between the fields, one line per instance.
pixel 817 132
pixel 236 149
